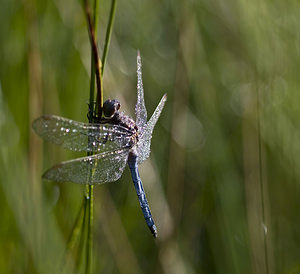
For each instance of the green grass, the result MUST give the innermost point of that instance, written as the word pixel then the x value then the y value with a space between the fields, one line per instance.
pixel 225 152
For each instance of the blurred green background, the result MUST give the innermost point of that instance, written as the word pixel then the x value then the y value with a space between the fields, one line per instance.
pixel 223 179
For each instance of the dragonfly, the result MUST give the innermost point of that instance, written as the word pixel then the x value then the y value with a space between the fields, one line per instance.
pixel 113 142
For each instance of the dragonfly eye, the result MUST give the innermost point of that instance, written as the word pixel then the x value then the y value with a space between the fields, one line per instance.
pixel 110 107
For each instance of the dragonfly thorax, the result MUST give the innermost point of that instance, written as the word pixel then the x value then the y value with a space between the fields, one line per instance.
pixel 111 115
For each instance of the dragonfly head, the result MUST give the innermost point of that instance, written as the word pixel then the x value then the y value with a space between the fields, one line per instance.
pixel 110 107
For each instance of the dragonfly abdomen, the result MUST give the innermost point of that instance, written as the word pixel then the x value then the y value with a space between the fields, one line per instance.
pixel 133 166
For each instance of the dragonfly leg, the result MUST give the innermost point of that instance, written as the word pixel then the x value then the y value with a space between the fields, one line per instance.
pixel 132 163
pixel 91 114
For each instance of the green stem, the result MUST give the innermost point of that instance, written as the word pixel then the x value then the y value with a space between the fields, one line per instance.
pixel 76 228
pixel 75 233
pixel 92 83
pixel 261 181
pixel 108 32
pixel 89 249
pixel 96 71
pixel 82 236
pixel 96 17
pixel 95 56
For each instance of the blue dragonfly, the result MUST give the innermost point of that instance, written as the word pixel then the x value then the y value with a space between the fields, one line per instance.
pixel 114 141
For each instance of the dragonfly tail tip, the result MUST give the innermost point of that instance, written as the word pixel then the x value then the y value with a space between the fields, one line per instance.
pixel 153 231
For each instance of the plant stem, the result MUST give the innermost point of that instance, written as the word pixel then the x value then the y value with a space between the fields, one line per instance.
pixel 95 54
pixel 89 248
pixel 82 236
pixel 76 228
pixel 108 32
pixel 262 195
pixel 96 71
pixel 92 83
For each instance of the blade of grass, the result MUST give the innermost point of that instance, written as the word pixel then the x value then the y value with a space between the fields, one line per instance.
pixel 82 235
pixel 96 71
pixel 87 203
pixel 108 32
pixel 89 249
pixel 95 54
pixel 261 182
pixel 92 83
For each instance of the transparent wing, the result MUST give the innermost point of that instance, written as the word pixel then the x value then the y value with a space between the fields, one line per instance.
pixel 96 169
pixel 143 146
pixel 140 109
pixel 79 136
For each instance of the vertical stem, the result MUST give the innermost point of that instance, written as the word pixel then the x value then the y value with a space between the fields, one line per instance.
pixel 95 71
pixel 82 236
pixel 89 249
pixel 86 209
pixel 95 54
pixel 76 228
pixel 92 91
pixel 261 181
pixel 108 32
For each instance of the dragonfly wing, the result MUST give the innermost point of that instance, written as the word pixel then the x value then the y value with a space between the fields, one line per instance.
pixel 95 169
pixel 143 146
pixel 140 109
pixel 79 136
